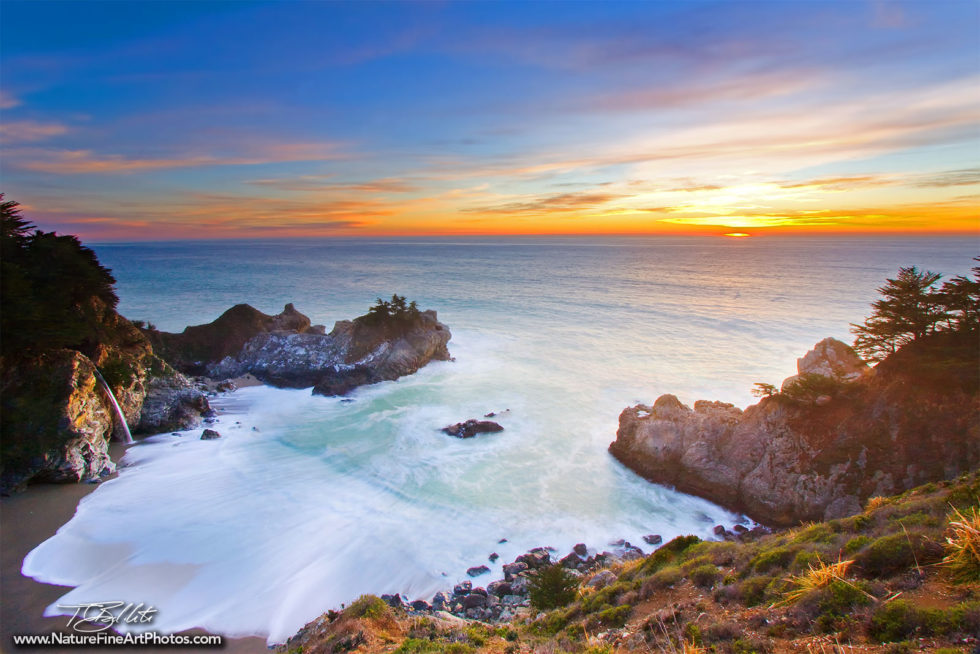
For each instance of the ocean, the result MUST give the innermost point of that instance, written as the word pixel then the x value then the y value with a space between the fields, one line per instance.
pixel 307 502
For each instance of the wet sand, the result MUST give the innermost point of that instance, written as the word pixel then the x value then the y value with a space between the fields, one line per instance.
pixel 26 520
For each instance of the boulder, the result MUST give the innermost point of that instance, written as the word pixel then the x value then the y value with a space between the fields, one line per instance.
pixel 471 428
pixel 478 570
pixel 829 358
pixel 602 579
pixel 210 435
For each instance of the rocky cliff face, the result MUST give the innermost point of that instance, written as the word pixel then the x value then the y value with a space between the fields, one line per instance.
pixel 57 419
pixel 199 346
pixel 351 355
pixel 792 458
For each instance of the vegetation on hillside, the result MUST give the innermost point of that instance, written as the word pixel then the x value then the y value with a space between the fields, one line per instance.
pixel 902 575
pixel 54 289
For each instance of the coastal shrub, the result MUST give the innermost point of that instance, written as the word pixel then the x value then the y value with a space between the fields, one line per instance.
pixel 371 607
pixel 717 552
pixel 777 557
pixel 751 645
pixel 419 646
pixel 818 533
pixel 615 616
pixel 806 388
pixel 889 555
pixel 856 543
pixel 704 576
pixel 552 587
pixel 717 632
pixel 664 578
pixel 666 554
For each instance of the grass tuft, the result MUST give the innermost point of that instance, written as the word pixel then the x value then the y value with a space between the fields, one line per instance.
pixel 963 546
pixel 817 576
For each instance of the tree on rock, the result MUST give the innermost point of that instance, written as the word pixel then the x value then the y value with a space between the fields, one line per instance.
pixel 912 308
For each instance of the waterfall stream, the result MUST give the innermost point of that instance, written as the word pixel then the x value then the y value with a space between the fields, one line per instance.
pixel 115 404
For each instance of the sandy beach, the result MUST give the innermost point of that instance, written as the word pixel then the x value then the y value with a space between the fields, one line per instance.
pixel 28 519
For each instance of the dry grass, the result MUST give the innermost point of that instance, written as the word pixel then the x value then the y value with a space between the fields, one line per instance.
pixel 875 503
pixel 963 546
pixel 688 647
pixel 818 576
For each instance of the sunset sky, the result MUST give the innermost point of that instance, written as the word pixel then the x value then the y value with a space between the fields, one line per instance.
pixel 159 120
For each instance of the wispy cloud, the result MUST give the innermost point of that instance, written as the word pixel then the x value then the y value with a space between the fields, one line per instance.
pixel 8 101
pixel 308 183
pixel 548 204
pixel 75 162
pixel 23 131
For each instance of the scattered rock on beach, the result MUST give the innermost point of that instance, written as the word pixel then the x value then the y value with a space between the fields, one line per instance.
pixel 210 435
pixel 478 570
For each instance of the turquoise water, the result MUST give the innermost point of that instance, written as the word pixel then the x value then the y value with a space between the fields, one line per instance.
pixel 264 529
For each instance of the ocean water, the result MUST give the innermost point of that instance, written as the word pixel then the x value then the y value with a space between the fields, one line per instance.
pixel 307 502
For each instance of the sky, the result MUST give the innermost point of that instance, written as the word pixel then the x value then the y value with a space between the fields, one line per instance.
pixel 192 120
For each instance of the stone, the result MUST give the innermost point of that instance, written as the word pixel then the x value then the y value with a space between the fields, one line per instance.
pixel 462 588
pixel 471 428
pixel 493 557
pixel 602 579
pixel 393 601
pixel 653 539
pixel 719 530
pixel 209 434
pixel 440 601
pixel 581 549
pixel 474 600
pixel 421 605
pixel 478 570
pixel 499 588
pixel 511 569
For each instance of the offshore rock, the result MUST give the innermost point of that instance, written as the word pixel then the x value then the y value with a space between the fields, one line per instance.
pixel 782 461
pixel 198 346
pixel 353 354
pixel 471 428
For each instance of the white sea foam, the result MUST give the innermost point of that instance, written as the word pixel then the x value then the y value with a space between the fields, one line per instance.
pixel 261 531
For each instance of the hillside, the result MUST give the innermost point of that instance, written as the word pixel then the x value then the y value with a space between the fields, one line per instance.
pixel 875 581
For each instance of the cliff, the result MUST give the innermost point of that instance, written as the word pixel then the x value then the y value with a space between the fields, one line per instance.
pixel 354 353
pixel 59 326
pixel 833 437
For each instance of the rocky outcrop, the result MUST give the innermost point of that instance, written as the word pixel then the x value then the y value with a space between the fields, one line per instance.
pixel 471 428
pixel 353 354
pixel 199 346
pixel 915 419
pixel 57 419
pixel 829 358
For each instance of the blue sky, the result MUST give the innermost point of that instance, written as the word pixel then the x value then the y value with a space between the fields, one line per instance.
pixel 187 120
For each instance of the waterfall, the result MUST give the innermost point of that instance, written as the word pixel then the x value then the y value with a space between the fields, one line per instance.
pixel 112 398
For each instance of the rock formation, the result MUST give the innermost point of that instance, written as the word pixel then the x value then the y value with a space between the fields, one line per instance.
pixel 198 346
pixel 354 353
pixel 790 458
pixel 471 428
pixel 57 420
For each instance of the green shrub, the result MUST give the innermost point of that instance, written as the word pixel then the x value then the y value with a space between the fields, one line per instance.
pixel 777 557
pixel 367 606
pixel 669 576
pixel 891 554
pixel 552 587
pixel 752 591
pixel 856 543
pixel 616 616
pixel 704 576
